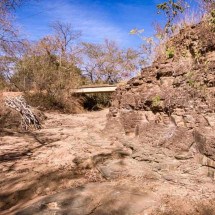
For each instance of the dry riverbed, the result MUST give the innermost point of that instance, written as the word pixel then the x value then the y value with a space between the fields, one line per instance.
pixel 84 169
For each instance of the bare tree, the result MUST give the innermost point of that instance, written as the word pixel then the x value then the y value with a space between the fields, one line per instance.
pixel 11 46
pixel 50 64
pixel 108 63
pixel 8 33
pixel 65 36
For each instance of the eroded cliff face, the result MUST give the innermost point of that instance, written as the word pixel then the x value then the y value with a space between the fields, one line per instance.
pixel 172 103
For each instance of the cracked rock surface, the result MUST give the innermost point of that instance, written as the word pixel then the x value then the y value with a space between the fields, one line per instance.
pixel 74 166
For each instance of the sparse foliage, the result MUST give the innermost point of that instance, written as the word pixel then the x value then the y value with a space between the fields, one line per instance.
pixel 171 9
pixel 9 39
pixel 10 44
pixel 107 63
pixel 57 63
pixel 174 8
pixel 48 65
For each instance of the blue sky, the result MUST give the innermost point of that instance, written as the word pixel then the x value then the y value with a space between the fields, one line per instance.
pixel 96 19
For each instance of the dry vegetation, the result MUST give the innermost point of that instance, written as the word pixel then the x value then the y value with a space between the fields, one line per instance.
pixel 58 63
pixel 73 150
pixel 54 65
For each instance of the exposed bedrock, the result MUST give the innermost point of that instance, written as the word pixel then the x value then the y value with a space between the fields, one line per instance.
pixel 172 103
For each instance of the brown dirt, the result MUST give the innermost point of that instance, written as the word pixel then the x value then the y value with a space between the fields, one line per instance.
pixel 34 164
pixel 74 150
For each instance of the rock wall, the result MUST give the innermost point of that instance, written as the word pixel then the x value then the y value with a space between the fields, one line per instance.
pixel 172 103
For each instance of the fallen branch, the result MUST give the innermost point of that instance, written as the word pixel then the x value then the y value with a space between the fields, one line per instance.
pixel 28 118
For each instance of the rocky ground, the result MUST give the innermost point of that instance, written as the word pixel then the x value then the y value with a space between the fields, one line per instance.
pixel 77 164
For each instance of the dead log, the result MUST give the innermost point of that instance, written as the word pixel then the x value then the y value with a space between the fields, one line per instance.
pixel 28 118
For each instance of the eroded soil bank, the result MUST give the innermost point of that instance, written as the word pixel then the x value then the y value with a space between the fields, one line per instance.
pixel 82 168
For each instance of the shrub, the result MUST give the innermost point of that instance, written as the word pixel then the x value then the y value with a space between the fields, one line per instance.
pixel 44 101
pixel 170 53
pixel 212 19
pixel 156 101
pixel 96 101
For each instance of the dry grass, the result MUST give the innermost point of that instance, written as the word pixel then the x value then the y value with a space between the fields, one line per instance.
pixel 189 18
pixel 62 103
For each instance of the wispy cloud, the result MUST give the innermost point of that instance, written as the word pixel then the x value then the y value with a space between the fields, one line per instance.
pixel 91 19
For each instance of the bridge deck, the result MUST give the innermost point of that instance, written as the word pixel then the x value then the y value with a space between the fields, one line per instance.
pixel 95 89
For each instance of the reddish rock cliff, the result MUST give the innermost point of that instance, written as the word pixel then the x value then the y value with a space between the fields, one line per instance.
pixel 172 103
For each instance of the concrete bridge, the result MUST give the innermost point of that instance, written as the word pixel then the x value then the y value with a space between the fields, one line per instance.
pixel 95 89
